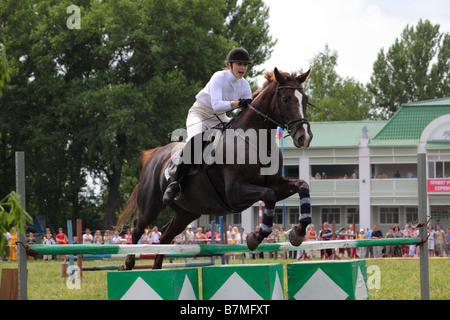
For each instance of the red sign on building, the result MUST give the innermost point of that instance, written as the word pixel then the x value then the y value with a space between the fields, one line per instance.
pixel 438 185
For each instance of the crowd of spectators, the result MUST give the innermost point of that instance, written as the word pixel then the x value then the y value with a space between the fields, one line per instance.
pixel 438 241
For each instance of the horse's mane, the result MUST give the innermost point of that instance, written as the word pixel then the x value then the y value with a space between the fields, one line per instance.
pixel 270 78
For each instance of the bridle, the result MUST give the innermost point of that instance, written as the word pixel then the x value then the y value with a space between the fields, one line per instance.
pixel 284 124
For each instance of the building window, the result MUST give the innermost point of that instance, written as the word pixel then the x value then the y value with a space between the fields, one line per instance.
pixel 278 216
pixel 389 216
pixel 237 218
pixel 412 215
pixel 293 217
pixel 352 215
pixel 291 172
pixel 334 171
pixel 438 169
pixel 331 214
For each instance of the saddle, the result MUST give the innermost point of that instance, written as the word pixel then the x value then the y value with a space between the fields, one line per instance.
pixel 210 143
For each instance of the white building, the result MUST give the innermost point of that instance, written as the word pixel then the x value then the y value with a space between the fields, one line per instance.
pixel 359 160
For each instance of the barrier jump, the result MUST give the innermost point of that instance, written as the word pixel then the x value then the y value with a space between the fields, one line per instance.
pixel 211 249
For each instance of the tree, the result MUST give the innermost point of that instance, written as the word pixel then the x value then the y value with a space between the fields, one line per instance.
pixel 414 68
pixel 4 68
pixel 335 98
pixel 85 102
pixel 247 26
pixel 15 217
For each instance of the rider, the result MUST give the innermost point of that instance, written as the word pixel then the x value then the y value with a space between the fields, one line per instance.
pixel 227 89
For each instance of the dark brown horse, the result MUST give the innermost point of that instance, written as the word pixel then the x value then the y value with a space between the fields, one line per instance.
pixel 221 188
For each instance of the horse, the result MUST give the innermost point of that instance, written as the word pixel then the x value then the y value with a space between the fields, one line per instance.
pixel 281 102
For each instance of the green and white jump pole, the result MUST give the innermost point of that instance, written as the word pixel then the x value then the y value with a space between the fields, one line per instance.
pixel 205 249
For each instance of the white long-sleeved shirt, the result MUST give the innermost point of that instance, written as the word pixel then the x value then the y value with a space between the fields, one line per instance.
pixel 222 88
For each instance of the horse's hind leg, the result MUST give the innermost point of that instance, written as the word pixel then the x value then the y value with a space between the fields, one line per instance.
pixel 143 220
pixel 180 220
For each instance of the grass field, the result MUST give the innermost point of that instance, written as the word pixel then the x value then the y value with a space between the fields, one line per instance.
pixel 400 279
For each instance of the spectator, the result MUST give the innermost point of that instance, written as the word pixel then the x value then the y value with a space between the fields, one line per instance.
pixel 272 238
pixel 200 237
pixel 179 239
pixel 397 175
pixel 98 238
pixel 390 249
pixel 440 240
pixel 12 245
pixel 325 253
pixel 311 235
pixel 244 236
pixel 430 233
pixel 318 176
pixel 237 235
pixel 31 240
pixel 412 248
pixel 377 234
pixel 48 239
pixel 87 237
pixel 61 238
pixel 362 235
pixel 369 250
pixel 410 174
pixel 229 234
pixel 397 248
pixel 324 176
pixel 116 238
pixel 7 251
pixel 107 239
pixel 341 236
pixel 155 236
pixel 145 238
pixel 438 223
pixel 447 242
pixel 128 237
pixel 190 237
pixel 208 235
pixel 281 237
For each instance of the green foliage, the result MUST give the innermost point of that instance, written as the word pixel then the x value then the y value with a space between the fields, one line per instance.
pixel 4 68
pixel 85 102
pixel 414 68
pixel 335 98
pixel 12 215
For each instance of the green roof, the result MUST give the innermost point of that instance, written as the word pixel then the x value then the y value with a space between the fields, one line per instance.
pixel 407 125
pixel 338 133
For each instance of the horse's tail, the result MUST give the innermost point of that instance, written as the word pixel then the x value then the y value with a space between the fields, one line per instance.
pixel 131 209
pixel 128 213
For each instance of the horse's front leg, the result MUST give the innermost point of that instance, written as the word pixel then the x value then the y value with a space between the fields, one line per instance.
pixel 250 193
pixel 288 187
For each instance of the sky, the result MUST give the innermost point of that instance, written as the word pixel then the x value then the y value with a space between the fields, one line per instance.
pixel 356 29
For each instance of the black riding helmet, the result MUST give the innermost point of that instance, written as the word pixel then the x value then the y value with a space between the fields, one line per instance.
pixel 238 55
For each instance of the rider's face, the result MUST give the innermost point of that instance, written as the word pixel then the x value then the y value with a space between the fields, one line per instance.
pixel 238 69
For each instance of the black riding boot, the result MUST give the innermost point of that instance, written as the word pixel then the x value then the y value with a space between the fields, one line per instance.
pixel 173 190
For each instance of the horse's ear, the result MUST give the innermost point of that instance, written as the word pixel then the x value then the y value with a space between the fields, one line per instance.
pixel 278 76
pixel 303 77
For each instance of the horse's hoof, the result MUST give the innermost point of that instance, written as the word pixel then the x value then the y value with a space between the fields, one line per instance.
pixel 122 267
pixel 253 240
pixel 298 233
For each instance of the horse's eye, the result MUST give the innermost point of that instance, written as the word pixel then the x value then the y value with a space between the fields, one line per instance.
pixel 285 99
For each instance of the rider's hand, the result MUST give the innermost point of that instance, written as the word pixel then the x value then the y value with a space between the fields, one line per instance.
pixel 244 102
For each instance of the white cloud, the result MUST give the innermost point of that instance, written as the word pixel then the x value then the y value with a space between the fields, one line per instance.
pixel 356 29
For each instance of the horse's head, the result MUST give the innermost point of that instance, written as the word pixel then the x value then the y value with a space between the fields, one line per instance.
pixel 290 107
